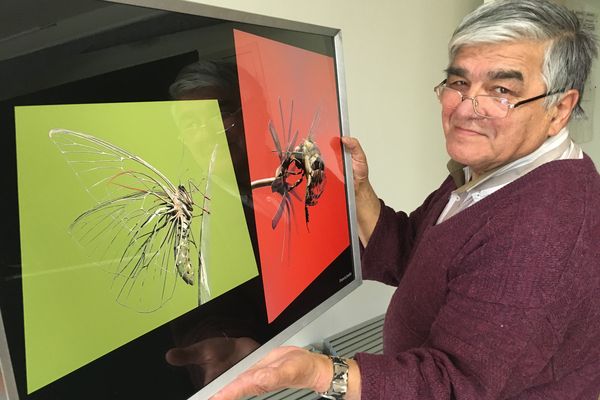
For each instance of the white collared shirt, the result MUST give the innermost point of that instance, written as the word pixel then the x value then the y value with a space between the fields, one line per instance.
pixel 558 147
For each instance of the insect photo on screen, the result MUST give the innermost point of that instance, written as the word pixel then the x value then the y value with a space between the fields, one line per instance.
pixel 140 214
pixel 297 164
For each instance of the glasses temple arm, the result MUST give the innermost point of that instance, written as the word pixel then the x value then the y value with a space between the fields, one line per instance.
pixel 541 96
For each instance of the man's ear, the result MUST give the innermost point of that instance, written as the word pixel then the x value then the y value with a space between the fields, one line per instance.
pixel 561 112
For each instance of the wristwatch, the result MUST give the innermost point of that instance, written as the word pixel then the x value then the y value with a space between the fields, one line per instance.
pixel 339 382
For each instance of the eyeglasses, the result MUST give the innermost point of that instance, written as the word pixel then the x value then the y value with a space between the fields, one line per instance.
pixel 483 105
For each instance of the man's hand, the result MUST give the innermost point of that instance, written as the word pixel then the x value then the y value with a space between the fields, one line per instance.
pixel 367 202
pixel 284 367
pixel 360 168
pixel 289 367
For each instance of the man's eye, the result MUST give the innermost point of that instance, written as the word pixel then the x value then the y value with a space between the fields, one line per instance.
pixel 502 90
pixel 459 85
pixel 456 84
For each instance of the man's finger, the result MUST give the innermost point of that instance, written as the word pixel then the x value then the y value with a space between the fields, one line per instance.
pixel 247 384
pixel 356 151
pixel 179 357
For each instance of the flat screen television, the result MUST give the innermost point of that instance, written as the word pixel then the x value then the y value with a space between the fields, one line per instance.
pixel 176 198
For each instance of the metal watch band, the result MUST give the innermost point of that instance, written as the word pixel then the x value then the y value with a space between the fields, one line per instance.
pixel 339 382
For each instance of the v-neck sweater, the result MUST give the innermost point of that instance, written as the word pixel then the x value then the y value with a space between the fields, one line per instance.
pixel 500 301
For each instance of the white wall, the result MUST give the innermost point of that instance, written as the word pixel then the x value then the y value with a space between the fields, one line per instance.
pixel 395 53
pixel 587 132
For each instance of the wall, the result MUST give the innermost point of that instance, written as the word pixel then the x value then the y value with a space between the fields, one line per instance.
pixel 587 132
pixel 395 53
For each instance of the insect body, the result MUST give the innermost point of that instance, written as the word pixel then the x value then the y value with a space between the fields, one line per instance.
pixel 297 163
pixel 313 168
pixel 182 215
pixel 137 207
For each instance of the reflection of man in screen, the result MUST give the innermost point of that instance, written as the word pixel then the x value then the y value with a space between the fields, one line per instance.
pixel 223 331
pixel 211 80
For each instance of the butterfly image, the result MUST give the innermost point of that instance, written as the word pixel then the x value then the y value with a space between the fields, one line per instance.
pixel 141 223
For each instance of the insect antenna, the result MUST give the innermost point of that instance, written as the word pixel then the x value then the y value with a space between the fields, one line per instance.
pixel 289 134
pixel 314 123
pixel 193 188
pixel 275 138
pixel 281 115
pixel 292 144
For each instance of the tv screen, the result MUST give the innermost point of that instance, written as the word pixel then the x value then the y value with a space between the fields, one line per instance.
pixel 176 197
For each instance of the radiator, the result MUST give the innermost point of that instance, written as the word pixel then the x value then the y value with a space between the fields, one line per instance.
pixel 363 338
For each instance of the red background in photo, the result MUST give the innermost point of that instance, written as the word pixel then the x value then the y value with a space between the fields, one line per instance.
pixel 272 76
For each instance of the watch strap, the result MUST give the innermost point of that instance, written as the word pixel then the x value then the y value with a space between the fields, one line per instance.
pixel 339 382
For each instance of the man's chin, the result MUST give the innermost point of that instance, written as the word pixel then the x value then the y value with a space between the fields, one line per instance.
pixel 463 154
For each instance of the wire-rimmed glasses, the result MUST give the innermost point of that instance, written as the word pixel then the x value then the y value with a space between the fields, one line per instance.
pixel 483 105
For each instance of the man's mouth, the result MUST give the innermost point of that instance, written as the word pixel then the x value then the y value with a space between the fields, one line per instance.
pixel 468 131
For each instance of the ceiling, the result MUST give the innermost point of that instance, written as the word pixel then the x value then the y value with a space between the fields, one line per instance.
pixel 28 26
pixel 21 17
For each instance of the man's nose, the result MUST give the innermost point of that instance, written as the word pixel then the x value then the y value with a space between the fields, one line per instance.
pixel 466 107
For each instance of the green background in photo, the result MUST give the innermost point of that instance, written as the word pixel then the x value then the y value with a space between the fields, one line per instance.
pixel 71 314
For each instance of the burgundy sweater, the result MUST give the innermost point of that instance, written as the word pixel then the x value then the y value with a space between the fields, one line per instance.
pixel 501 301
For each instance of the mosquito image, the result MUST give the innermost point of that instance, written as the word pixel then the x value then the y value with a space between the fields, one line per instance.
pixel 297 163
pixel 138 208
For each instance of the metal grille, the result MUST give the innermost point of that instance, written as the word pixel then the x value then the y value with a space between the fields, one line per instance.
pixel 364 338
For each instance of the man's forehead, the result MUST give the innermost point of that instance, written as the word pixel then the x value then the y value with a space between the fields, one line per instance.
pixel 510 60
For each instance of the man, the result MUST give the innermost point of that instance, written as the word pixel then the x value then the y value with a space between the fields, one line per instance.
pixel 498 271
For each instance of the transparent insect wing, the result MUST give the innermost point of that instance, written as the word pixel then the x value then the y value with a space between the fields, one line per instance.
pixel 204 293
pixel 131 228
pixel 146 276
pixel 102 166
pixel 279 184
pixel 136 238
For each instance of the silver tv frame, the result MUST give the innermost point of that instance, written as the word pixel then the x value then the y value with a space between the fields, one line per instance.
pixel 187 7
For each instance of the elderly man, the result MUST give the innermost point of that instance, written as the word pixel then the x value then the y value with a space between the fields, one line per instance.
pixel 498 271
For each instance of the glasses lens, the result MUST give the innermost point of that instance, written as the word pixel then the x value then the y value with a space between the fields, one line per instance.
pixel 491 107
pixel 449 98
pixel 485 106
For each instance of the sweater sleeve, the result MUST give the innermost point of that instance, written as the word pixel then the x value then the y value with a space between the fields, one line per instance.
pixel 509 301
pixel 387 251
pixel 391 243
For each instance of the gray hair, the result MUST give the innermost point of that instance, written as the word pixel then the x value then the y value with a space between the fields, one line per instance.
pixel 571 46
pixel 203 74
